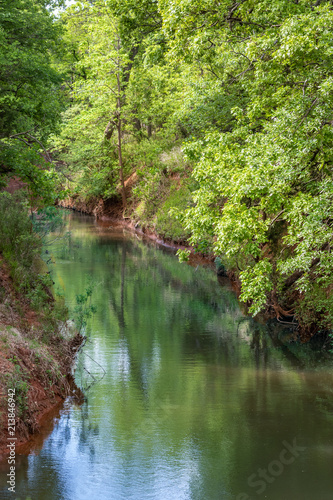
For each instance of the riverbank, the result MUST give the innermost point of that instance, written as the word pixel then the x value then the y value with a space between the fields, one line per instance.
pixel 36 356
pixel 110 212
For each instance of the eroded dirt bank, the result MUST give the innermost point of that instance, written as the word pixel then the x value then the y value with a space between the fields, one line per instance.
pixel 36 357
pixel 110 212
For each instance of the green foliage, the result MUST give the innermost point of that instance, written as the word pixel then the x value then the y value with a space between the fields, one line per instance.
pixel 167 221
pixel 115 79
pixel 21 248
pixel 183 255
pixel 256 283
pixel 84 309
pixel 150 191
pixel 21 394
pixel 29 84
pixel 92 161
pixel 248 87
pixel 163 187
pixel 99 73
pixel 17 241
pixel 264 165
pixel 17 380
pixel 30 101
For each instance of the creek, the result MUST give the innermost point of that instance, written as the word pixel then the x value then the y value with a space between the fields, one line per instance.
pixel 186 398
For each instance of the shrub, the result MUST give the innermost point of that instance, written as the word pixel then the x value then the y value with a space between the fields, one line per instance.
pixel 21 248
pixel 168 224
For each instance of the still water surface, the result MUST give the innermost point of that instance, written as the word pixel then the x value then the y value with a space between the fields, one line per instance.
pixel 191 399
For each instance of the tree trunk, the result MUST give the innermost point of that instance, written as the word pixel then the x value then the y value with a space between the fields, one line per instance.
pixel 120 159
pixel 120 156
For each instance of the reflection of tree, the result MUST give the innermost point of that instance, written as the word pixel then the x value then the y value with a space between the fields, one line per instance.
pixel 119 309
pixel 122 286
pixel 259 345
pixel 187 374
pixel 87 432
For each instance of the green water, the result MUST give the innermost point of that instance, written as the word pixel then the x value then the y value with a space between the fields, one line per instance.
pixel 191 400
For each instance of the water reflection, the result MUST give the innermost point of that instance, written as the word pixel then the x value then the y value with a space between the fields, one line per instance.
pixel 193 398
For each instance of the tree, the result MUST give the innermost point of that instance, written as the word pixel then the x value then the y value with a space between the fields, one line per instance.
pixel 265 168
pixel 248 86
pixel 121 92
pixel 30 101
pixel 101 68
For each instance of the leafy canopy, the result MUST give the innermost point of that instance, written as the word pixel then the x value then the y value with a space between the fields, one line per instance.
pixel 30 99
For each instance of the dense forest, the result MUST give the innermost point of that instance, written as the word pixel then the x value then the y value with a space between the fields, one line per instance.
pixel 207 122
